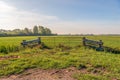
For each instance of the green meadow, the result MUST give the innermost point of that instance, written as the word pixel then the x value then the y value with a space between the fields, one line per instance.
pixel 97 65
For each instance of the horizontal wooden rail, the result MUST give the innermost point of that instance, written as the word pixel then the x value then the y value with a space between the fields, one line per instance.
pixel 35 41
pixel 93 43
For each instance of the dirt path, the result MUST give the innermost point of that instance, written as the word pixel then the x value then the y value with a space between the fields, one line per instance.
pixel 39 74
pixel 9 57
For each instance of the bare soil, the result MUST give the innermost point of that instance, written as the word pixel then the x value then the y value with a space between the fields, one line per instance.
pixel 40 74
pixel 9 57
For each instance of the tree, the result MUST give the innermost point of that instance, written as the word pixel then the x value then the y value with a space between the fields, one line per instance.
pixel 26 31
pixel 35 30
pixel 41 30
pixel 16 32
pixel 47 31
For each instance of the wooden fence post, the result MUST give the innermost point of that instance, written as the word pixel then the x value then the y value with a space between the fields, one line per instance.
pixel 100 44
pixel 24 43
pixel 84 39
pixel 39 40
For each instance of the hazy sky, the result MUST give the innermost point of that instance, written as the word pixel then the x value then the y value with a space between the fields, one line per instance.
pixel 62 16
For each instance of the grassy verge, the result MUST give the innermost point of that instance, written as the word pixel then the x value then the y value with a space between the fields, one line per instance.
pixel 97 65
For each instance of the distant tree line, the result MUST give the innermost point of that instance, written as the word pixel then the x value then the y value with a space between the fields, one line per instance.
pixel 36 31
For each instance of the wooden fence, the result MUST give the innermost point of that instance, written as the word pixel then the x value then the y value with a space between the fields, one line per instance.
pixel 98 45
pixel 31 42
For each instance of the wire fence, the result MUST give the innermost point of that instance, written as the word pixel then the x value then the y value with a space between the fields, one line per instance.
pixel 68 41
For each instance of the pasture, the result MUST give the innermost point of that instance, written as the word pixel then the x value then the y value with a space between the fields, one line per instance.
pixel 94 65
pixel 111 41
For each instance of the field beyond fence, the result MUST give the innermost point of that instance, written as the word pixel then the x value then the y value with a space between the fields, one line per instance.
pixel 9 44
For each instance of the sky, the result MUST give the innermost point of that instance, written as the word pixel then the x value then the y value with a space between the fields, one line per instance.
pixel 62 16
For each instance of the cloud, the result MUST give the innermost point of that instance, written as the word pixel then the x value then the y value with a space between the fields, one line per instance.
pixel 11 17
pixel 4 7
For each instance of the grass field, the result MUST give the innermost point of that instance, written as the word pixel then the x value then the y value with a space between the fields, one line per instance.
pixel 97 65
pixel 12 43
